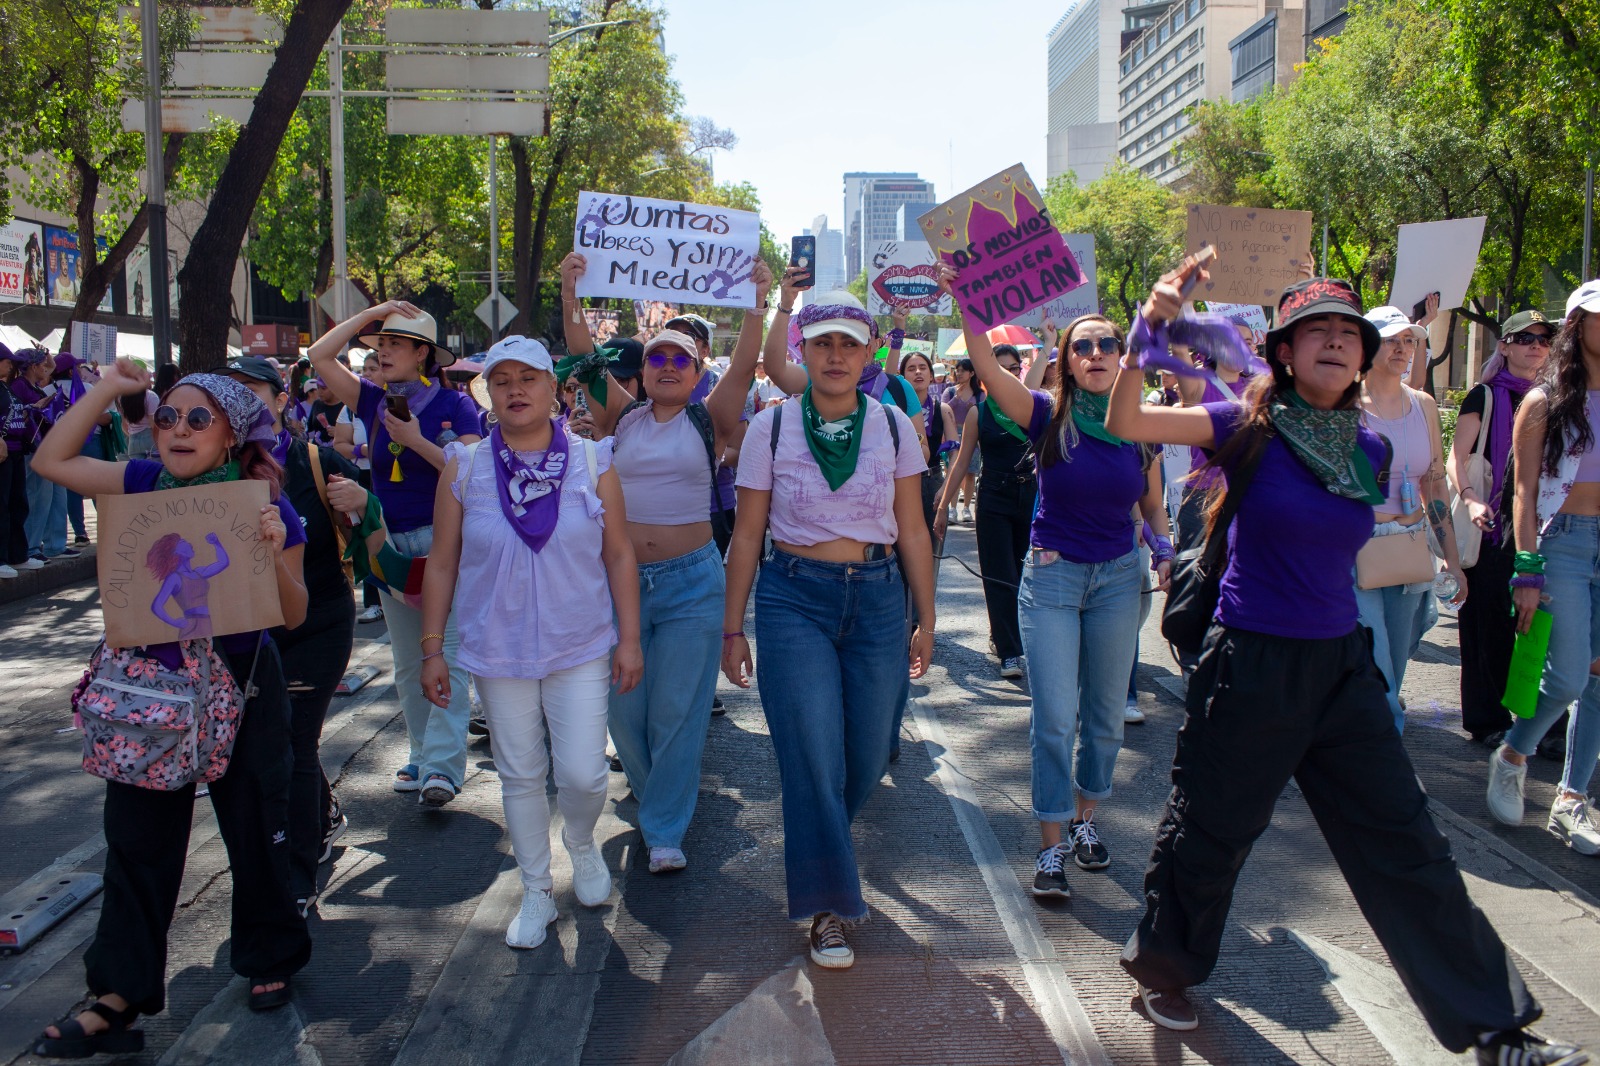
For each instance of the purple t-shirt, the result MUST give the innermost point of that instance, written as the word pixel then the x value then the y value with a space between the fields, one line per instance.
pixel 1293 543
pixel 1086 499
pixel 140 476
pixel 408 503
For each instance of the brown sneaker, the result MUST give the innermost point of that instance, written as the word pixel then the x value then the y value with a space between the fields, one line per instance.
pixel 829 948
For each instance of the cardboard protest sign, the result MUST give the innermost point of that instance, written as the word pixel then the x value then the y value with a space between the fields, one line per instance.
pixel 1084 300
pixel 93 342
pixel 652 316
pixel 901 274
pixel 1436 257
pixel 185 563
pixel 1251 315
pixel 667 250
pixel 603 325
pixel 998 234
pixel 1259 252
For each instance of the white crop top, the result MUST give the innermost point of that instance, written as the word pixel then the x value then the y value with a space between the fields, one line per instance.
pixel 666 478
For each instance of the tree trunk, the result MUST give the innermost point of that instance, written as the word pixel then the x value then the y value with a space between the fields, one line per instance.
pixel 95 275
pixel 205 283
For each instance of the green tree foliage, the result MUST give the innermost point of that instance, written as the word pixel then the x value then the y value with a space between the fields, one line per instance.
pixel 1138 227
pixel 1226 154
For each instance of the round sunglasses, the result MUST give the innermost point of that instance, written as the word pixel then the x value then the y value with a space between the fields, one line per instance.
pixel 1083 347
pixel 678 360
pixel 199 418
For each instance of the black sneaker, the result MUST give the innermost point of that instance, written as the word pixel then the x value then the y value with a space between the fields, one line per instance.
pixel 1050 875
pixel 477 726
pixel 1518 1047
pixel 80 541
pixel 338 823
pixel 717 709
pixel 615 762
pixel 1169 1008
pixel 1087 851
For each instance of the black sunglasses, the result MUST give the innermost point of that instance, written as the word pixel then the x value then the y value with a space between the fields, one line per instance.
pixel 1528 337
pixel 199 418
pixel 678 359
pixel 1083 347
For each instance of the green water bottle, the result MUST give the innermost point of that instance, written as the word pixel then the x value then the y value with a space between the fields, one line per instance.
pixel 1527 666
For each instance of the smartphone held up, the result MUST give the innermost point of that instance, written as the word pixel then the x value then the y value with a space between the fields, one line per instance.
pixel 803 254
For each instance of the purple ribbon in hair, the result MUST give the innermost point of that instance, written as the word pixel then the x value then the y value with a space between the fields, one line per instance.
pixel 1207 332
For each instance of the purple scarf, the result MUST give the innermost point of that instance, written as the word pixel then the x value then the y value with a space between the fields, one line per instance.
pixel 1507 390
pixel 529 496
pixel 280 447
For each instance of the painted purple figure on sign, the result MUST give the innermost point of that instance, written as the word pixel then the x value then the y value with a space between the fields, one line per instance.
pixel 172 560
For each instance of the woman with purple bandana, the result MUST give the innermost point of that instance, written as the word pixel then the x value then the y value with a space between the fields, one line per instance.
pixel 47 501
pixel 1286 687
pixel 209 429
pixel 838 481
pixel 529 522
pixel 1485 620
pixel 410 419
pixel 18 432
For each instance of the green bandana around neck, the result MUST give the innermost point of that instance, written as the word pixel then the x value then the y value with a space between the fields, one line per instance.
pixel 227 472
pixel 1004 419
pixel 1325 441
pixel 834 445
pixel 1089 415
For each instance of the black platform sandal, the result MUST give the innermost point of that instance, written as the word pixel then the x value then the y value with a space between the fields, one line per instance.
pixel 273 998
pixel 75 1043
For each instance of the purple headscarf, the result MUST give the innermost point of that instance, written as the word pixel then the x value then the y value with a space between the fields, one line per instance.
pixel 1506 390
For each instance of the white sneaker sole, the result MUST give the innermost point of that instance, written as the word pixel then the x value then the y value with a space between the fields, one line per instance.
pixel 1578 844
pixel 529 945
pixel 833 962
pixel 1181 1025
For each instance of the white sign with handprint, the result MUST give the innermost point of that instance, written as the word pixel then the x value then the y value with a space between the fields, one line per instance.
pixel 666 250
pixel 1084 300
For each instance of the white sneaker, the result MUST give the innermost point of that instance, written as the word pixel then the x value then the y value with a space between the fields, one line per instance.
pixel 371 614
pixel 1011 669
pixel 1572 819
pixel 1506 782
pixel 528 928
pixel 590 878
pixel 31 563
pixel 666 860
pixel 7 572
pixel 1131 711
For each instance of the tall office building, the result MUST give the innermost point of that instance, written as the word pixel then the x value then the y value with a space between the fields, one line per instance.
pixel 1081 81
pixel 906 227
pixel 830 256
pixel 1265 54
pixel 1175 54
pixel 888 190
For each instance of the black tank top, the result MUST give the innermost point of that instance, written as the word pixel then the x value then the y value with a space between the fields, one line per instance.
pixel 1003 454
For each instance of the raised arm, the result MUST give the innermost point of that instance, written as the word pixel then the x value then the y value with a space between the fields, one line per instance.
pixel 324 354
pixel 897 320
pixel 1014 398
pixel 726 401
pixel 1130 419
pixel 58 460
pixel 787 375
pixel 580 342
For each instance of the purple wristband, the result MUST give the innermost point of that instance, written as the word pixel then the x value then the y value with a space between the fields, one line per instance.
pixel 1528 581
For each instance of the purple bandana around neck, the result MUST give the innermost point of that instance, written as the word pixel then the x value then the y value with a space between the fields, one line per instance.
pixel 1507 389
pixel 530 497
pixel 280 447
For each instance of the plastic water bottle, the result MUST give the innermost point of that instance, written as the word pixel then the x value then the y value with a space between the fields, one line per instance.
pixel 1445 586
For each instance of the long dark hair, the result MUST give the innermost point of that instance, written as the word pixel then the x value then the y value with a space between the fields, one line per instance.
pixel 1061 435
pixel 1566 384
pixel 1247 444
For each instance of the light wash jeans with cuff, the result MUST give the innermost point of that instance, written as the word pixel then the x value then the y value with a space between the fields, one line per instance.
pixel 438 735
pixel 1571 547
pixel 659 728
pixel 46 528
pixel 1080 632
pixel 569 705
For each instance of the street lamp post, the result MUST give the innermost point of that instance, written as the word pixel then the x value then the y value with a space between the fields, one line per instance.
pixel 155 193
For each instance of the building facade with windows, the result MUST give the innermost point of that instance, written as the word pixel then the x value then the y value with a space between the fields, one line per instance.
pixel 1174 55
pixel 851 226
pixel 1265 54
pixel 830 256
pixel 1081 82
pixel 877 212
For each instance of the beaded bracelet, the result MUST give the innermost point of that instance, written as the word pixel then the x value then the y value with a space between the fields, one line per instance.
pixel 433 655
pixel 430 636
pixel 1528 581
pixel 1528 563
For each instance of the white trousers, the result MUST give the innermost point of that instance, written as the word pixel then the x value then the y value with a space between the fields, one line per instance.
pixel 571 703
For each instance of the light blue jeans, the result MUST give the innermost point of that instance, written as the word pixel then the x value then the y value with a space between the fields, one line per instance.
pixel 1080 631
pixel 1398 616
pixel 1571 547
pixel 46 528
pixel 438 735
pixel 832 666
pixel 659 728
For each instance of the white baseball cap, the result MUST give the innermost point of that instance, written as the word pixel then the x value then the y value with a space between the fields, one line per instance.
pixel 518 349
pixel 1585 297
pixel 1391 322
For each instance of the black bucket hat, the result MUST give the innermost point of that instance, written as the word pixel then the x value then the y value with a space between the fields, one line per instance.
pixel 1322 296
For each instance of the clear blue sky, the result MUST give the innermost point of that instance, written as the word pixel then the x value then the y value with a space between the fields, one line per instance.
pixel 953 90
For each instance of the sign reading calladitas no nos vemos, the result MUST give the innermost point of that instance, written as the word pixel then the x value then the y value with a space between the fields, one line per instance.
pixel 998 234
pixel 643 249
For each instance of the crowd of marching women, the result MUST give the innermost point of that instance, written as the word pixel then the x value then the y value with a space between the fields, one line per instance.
pixel 1293 498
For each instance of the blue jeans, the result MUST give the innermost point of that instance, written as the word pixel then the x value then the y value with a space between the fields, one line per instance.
pixel 1080 626
pixel 659 728
pixel 47 515
pixel 1398 616
pixel 833 666
pixel 438 735
pixel 1571 547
